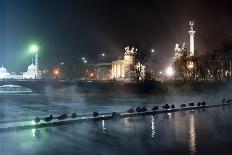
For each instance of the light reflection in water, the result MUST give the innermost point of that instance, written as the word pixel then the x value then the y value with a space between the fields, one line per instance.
pixel 169 115
pixel 103 126
pixel 192 135
pixel 33 132
pixel 129 126
pixel 152 127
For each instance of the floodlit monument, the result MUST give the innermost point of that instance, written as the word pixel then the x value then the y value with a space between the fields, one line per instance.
pixel 3 73
pixel 121 68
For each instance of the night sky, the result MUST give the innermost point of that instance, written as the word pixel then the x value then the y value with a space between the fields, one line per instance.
pixel 69 29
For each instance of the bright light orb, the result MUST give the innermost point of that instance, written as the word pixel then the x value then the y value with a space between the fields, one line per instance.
pixel 34 48
pixel 56 72
pixel 169 71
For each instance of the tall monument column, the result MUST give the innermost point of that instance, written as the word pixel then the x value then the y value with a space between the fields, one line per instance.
pixel 191 35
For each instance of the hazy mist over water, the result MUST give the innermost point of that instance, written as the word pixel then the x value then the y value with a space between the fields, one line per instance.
pixel 197 132
pixel 188 132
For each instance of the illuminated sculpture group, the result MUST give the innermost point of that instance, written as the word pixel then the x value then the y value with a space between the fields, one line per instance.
pixel 121 68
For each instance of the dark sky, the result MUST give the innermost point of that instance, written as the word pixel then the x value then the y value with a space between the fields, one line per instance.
pixel 68 29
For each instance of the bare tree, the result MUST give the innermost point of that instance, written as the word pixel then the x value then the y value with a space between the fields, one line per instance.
pixel 137 66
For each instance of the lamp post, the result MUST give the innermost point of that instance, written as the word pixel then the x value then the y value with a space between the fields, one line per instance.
pixel 35 49
pixel 102 55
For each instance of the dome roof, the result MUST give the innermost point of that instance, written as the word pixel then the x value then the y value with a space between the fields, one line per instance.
pixel 3 70
pixel 31 67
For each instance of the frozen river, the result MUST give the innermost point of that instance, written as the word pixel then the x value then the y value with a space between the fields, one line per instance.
pixel 191 132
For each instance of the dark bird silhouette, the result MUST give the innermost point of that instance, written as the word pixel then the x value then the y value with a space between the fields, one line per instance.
pixel 228 101
pixel 37 120
pixel 144 109
pixel 115 115
pixel 199 104
pixel 173 106
pixel 183 105
pixel 48 119
pixel 166 106
pixel 138 109
pixel 155 108
pixel 95 114
pixel 63 116
pixel 74 115
pixel 130 110
pixel 191 104
pixel 224 100
pixel 203 103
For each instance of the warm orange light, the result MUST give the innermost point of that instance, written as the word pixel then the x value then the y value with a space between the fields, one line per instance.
pixel 56 72
pixel 91 74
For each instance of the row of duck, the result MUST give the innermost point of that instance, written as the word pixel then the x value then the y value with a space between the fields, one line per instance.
pixel 131 110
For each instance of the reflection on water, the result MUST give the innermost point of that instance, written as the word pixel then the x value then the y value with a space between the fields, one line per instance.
pixel 158 134
pixel 192 134
pixel 103 126
pixel 152 126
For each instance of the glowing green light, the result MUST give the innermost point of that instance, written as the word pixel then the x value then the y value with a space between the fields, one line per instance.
pixel 34 48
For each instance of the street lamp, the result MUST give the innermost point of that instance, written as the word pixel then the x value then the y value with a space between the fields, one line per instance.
pixel 169 71
pixel 152 50
pixel 102 55
pixel 56 72
pixel 35 49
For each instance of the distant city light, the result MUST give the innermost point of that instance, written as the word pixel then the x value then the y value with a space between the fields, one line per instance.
pixel 91 74
pixel 152 50
pixel 85 61
pixel 103 54
pixel 169 71
pixel 83 58
pixel 160 72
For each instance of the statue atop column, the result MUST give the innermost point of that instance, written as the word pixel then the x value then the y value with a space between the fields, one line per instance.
pixel 191 24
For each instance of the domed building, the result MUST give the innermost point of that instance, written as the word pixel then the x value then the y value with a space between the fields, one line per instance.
pixel 3 73
pixel 31 72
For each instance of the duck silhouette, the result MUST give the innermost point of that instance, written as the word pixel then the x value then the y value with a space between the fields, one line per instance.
pixel 183 105
pixel 74 115
pixel 144 109
pixel 63 116
pixel 166 106
pixel 199 104
pixel 95 114
pixel 130 110
pixel 224 100
pixel 37 120
pixel 203 103
pixel 155 108
pixel 191 104
pixel 48 119
pixel 138 109
pixel 173 106
pixel 115 115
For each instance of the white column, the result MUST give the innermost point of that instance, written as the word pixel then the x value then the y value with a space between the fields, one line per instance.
pixel 123 71
pixel 191 36
pixel 191 33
